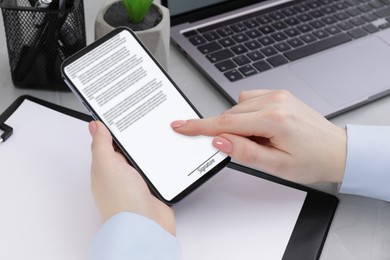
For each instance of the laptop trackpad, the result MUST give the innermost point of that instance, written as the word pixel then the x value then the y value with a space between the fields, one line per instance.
pixel 348 73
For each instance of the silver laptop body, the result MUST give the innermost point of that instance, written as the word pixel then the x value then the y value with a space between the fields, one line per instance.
pixel 335 68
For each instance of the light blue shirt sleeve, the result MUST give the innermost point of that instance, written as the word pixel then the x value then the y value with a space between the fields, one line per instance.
pixel 367 171
pixel 128 236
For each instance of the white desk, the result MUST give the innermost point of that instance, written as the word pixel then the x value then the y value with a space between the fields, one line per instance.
pixel 361 227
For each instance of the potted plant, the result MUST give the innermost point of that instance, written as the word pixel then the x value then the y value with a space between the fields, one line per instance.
pixel 149 20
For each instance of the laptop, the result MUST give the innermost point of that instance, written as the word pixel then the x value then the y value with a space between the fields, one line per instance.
pixel 332 54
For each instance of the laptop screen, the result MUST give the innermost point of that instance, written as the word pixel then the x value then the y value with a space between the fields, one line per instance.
pixel 190 10
pixel 182 6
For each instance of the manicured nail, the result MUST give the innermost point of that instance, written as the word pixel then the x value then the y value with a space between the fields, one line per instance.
pixel 178 123
pixel 92 128
pixel 223 144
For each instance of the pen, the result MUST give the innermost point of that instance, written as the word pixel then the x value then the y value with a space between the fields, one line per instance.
pixel 61 4
pixel 45 28
pixel 42 3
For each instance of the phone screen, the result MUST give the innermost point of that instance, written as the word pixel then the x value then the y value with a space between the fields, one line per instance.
pixel 124 87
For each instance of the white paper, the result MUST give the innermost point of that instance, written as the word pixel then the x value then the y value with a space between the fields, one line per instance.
pixel 47 210
pixel 238 216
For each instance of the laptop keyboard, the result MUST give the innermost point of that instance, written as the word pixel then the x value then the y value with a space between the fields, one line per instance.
pixel 257 42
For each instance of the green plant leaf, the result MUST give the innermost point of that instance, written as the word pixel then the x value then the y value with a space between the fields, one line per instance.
pixel 137 9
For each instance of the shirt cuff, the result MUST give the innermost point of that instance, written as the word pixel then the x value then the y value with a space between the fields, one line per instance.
pixel 367 171
pixel 130 236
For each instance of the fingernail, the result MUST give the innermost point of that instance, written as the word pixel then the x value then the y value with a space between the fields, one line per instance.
pixel 92 128
pixel 178 123
pixel 223 144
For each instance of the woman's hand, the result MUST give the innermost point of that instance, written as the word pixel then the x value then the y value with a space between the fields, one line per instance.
pixel 278 134
pixel 118 187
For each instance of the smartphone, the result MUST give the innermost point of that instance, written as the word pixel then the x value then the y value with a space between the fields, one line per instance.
pixel 122 85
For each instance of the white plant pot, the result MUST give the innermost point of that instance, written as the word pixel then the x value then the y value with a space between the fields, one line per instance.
pixel 156 39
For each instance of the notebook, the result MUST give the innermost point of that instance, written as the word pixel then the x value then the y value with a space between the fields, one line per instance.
pixel 332 54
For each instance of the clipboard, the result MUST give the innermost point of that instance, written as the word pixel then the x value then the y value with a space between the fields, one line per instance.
pixel 50 212
pixel 313 223
pixel 14 106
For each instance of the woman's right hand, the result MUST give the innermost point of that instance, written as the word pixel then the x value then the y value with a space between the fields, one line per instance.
pixel 278 134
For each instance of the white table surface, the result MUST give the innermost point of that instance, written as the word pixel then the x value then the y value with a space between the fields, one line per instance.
pixel 361 227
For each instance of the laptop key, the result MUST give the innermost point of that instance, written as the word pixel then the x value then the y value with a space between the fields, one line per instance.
pixel 279 36
pixel 365 8
pixel 327 9
pixel 282 46
pixel 279 25
pixel 313 4
pixel 354 11
pixel 341 16
pixel 239 49
pixel 277 60
pixel 289 11
pixel 262 65
pixel 276 15
pixel 251 23
pixel 292 21
pixel 225 31
pixel 238 27
pixel 304 28
pixel 240 37
pixel 369 17
pixel 317 24
pixel 255 55
pixel 308 38
pixel 340 6
pixel 357 32
pixel 317 46
pixel 329 20
pixel 266 40
pixel 263 19
pixel 220 55
pixel 197 40
pixel 333 29
pixel 247 70
pixel 292 32
pixel 384 26
pixel 233 75
pixel 209 47
pixel 384 12
pixel 226 42
pixel 321 34
pixel 269 51
pixel 190 33
pixel 254 33
pixel 295 42
pixel 267 29
pixel 211 36
pixel 225 65
pixel 253 45
pixel 241 60
pixel 357 21
pixel 345 25
pixel 376 4
pixel 304 17
pixel 370 28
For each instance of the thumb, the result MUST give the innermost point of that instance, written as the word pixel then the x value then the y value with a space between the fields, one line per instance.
pixel 101 138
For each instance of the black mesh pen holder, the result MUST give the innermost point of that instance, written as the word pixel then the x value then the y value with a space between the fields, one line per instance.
pixel 39 39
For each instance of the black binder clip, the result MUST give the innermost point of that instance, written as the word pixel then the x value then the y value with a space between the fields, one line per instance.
pixel 7 132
